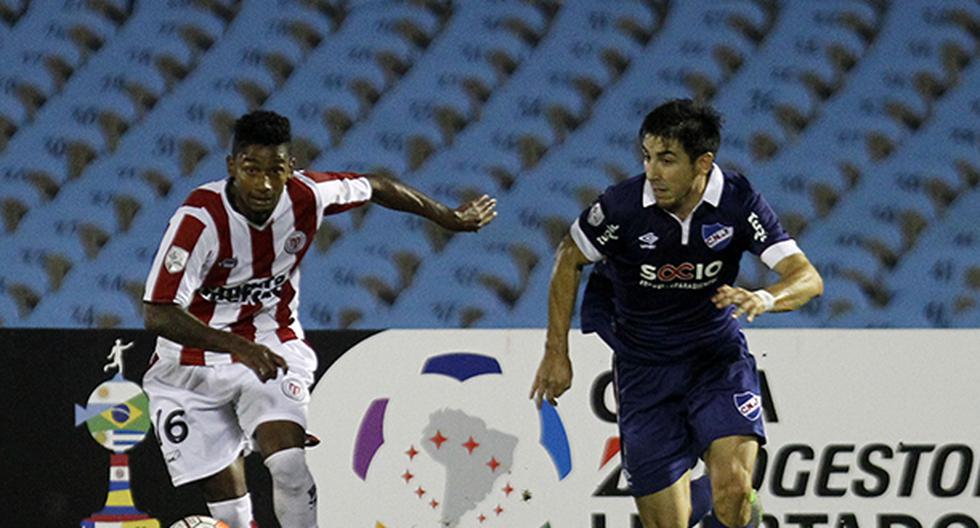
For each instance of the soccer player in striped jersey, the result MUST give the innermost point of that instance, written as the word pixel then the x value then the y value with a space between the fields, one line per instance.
pixel 231 370
pixel 667 245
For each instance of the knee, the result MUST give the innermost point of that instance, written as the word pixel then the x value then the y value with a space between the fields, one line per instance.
pixel 732 494
pixel 288 470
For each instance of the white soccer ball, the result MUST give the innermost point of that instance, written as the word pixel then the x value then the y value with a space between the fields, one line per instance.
pixel 199 521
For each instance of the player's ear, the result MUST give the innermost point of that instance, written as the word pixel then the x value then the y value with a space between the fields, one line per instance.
pixel 705 161
pixel 230 165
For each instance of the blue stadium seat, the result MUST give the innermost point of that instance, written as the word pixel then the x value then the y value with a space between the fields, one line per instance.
pixel 333 297
pixel 86 307
pixel 447 297
pixel 834 109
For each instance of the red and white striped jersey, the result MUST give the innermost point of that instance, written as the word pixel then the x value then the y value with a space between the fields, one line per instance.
pixel 237 276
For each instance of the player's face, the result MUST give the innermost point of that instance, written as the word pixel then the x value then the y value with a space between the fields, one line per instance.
pixel 259 173
pixel 677 181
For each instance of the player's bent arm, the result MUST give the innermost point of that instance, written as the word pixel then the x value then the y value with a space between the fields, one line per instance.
pixel 396 195
pixel 798 282
pixel 562 290
pixel 174 323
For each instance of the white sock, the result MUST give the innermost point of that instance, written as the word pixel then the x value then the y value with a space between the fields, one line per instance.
pixel 293 489
pixel 236 512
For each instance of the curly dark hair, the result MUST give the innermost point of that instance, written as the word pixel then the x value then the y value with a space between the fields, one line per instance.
pixel 261 127
pixel 695 126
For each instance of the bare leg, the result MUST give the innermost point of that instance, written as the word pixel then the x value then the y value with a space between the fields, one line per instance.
pixel 731 461
pixel 669 507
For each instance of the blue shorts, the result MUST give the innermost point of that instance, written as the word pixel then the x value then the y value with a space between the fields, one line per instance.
pixel 669 414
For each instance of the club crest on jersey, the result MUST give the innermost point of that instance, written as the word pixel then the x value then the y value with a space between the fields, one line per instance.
pixel 596 216
pixel 749 405
pixel 176 259
pixel 648 240
pixel 295 242
pixel 293 389
pixel 717 236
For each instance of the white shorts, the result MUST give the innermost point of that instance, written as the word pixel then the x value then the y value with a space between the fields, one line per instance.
pixel 205 416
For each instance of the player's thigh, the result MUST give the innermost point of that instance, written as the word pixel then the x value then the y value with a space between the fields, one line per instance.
pixel 725 400
pixel 669 507
pixel 283 399
pixel 197 429
pixel 652 418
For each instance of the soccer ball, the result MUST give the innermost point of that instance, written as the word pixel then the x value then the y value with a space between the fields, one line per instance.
pixel 199 521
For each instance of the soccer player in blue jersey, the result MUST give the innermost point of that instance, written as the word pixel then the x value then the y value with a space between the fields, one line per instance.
pixel 666 246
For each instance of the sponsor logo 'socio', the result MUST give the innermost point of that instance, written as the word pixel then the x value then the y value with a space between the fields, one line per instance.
pixel 683 271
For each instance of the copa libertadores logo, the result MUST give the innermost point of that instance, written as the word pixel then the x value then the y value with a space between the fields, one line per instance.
pixel 443 438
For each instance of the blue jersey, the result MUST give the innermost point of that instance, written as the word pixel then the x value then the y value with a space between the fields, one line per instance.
pixel 650 293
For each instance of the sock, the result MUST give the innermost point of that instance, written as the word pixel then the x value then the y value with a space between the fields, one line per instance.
pixel 700 499
pixel 236 512
pixel 293 489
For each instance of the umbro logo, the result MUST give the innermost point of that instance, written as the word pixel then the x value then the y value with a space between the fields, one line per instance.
pixel 648 240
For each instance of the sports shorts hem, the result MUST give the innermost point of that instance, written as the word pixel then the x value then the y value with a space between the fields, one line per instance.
pixel 701 447
pixel 669 475
pixel 272 417
pixel 207 471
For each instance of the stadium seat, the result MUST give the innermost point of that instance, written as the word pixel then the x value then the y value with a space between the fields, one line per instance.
pixel 112 111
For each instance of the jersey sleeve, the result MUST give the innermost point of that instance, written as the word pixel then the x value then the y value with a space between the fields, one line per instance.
pixel 182 260
pixel 767 238
pixel 595 231
pixel 340 191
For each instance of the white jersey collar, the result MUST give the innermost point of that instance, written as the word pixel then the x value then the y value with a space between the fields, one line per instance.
pixel 712 190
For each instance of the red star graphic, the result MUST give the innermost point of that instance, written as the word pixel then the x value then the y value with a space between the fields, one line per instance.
pixel 407 476
pixel 420 492
pixel 507 490
pixel 438 439
pixel 411 453
pixel 471 444
pixel 482 518
pixel 493 464
pixel 498 510
pixel 434 503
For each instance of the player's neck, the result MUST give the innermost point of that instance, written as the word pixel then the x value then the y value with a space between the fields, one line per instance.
pixel 691 200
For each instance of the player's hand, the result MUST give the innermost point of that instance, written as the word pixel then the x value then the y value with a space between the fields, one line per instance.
pixel 264 362
pixel 554 377
pixel 745 302
pixel 473 215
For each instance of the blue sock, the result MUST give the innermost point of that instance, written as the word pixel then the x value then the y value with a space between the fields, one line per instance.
pixel 700 499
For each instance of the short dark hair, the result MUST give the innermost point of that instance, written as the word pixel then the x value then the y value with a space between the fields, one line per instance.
pixel 261 127
pixel 697 127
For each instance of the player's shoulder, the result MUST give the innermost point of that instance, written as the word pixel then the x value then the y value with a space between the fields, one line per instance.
pixel 626 194
pixel 313 176
pixel 737 186
pixel 206 196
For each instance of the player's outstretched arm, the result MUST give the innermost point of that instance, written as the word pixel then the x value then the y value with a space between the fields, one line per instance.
pixel 554 375
pixel 394 194
pixel 798 282
pixel 174 323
